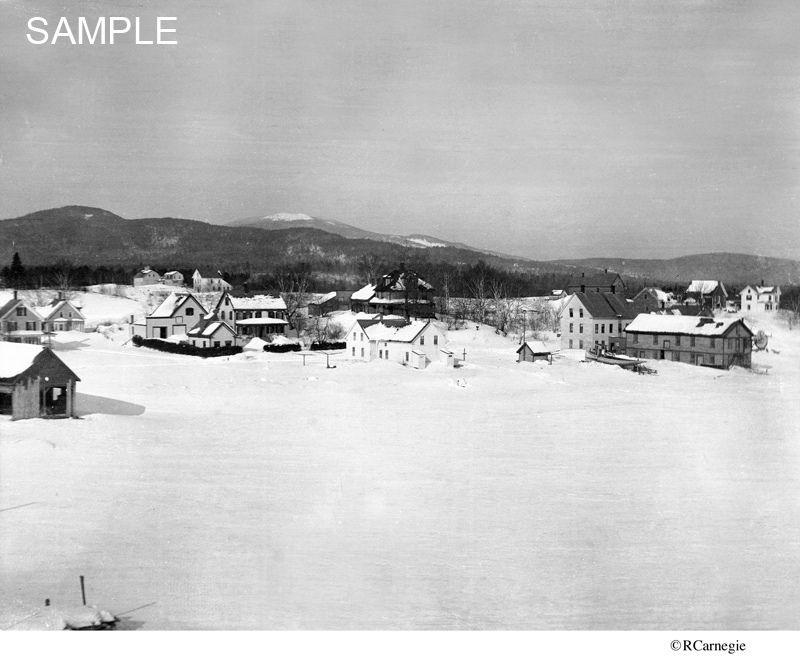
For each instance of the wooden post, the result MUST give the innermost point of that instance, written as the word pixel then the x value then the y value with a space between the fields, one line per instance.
pixel 83 591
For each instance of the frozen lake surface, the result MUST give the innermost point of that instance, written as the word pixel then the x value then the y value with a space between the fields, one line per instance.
pixel 260 494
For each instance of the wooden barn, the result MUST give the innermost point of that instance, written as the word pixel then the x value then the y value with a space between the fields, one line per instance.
pixel 34 382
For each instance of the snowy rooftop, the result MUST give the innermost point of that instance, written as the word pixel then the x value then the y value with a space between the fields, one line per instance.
pixel 384 332
pixel 697 325
pixel 16 358
pixel 324 297
pixel 171 273
pixel 702 286
pixel 168 307
pixel 363 294
pixel 258 302
pixel 538 347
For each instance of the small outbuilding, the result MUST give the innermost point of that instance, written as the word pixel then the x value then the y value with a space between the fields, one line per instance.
pixel 34 382
pixel 532 351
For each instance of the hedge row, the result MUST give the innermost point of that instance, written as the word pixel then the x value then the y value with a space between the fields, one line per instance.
pixel 185 348
pixel 282 347
pixel 328 345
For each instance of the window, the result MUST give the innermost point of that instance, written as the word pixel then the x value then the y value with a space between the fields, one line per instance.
pixel 436 339
pixel 580 344
pixel 227 343
pixel 258 314
pixel 677 340
pixel 362 336
pixel 216 344
pixel 580 329
pixel 21 311
pixel 386 354
pixel 570 312
pixel 570 328
pixel 603 328
pixel 354 351
pixel 636 338
pixel 676 356
pixel 421 342
pixel 30 326
pixel 189 311
pixel 362 352
pixel 354 336
pixel 595 328
pixel 570 343
pixel 406 356
pixel 619 328
pixel 380 354
pixel 580 312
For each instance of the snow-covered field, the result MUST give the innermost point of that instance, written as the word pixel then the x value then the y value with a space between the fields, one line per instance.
pixel 253 492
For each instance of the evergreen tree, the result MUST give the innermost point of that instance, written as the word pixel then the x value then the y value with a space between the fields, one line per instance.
pixel 16 273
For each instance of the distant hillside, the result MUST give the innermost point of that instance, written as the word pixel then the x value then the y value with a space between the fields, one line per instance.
pixel 85 235
pixel 279 221
pixel 732 269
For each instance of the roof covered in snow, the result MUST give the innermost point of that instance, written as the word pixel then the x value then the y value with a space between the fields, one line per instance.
pixel 323 298
pixel 255 302
pixel 393 330
pixel 170 306
pixel 537 347
pixel 173 273
pixel 606 305
pixel 363 294
pixel 687 325
pixel 15 358
pixel 208 326
pixel 48 311
pixel 705 286
pixel 14 302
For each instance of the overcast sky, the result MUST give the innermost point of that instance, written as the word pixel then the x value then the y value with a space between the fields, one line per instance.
pixel 542 128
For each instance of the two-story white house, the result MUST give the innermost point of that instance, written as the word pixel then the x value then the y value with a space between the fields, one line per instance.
pixel 415 343
pixel 61 315
pixel 590 319
pixel 175 315
pixel 209 284
pixel 19 322
pixel 263 316
pixel 173 278
pixel 761 298
pixel 211 332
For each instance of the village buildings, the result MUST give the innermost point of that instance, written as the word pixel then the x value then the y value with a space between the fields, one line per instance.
pixel 19 322
pixel 710 292
pixel 652 298
pixel 325 303
pixel 209 284
pixel 760 298
pixel 595 318
pixel 532 351
pixel 703 341
pixel 34 382
pixel 211 332
pixel 146 277
pixel 401 292
pixel 177 314
pixel 262 316
pixel 597 282
pixel 173 278
pixel 414 343
pixel 61 315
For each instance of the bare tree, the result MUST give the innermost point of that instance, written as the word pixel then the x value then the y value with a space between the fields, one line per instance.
pixel 478 292
pixel 293 283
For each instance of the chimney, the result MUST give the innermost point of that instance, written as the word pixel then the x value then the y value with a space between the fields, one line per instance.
pixel 762 282
pixel 15 293
pixel 60 295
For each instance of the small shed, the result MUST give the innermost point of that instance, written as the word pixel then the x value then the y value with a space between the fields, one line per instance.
pixel 418 359
pixel 448 358
pixel 34 382
pixel 532 351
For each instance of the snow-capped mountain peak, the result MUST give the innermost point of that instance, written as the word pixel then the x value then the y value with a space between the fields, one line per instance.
pixel 288 217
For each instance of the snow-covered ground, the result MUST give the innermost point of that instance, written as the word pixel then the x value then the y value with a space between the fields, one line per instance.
pixel 253 492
